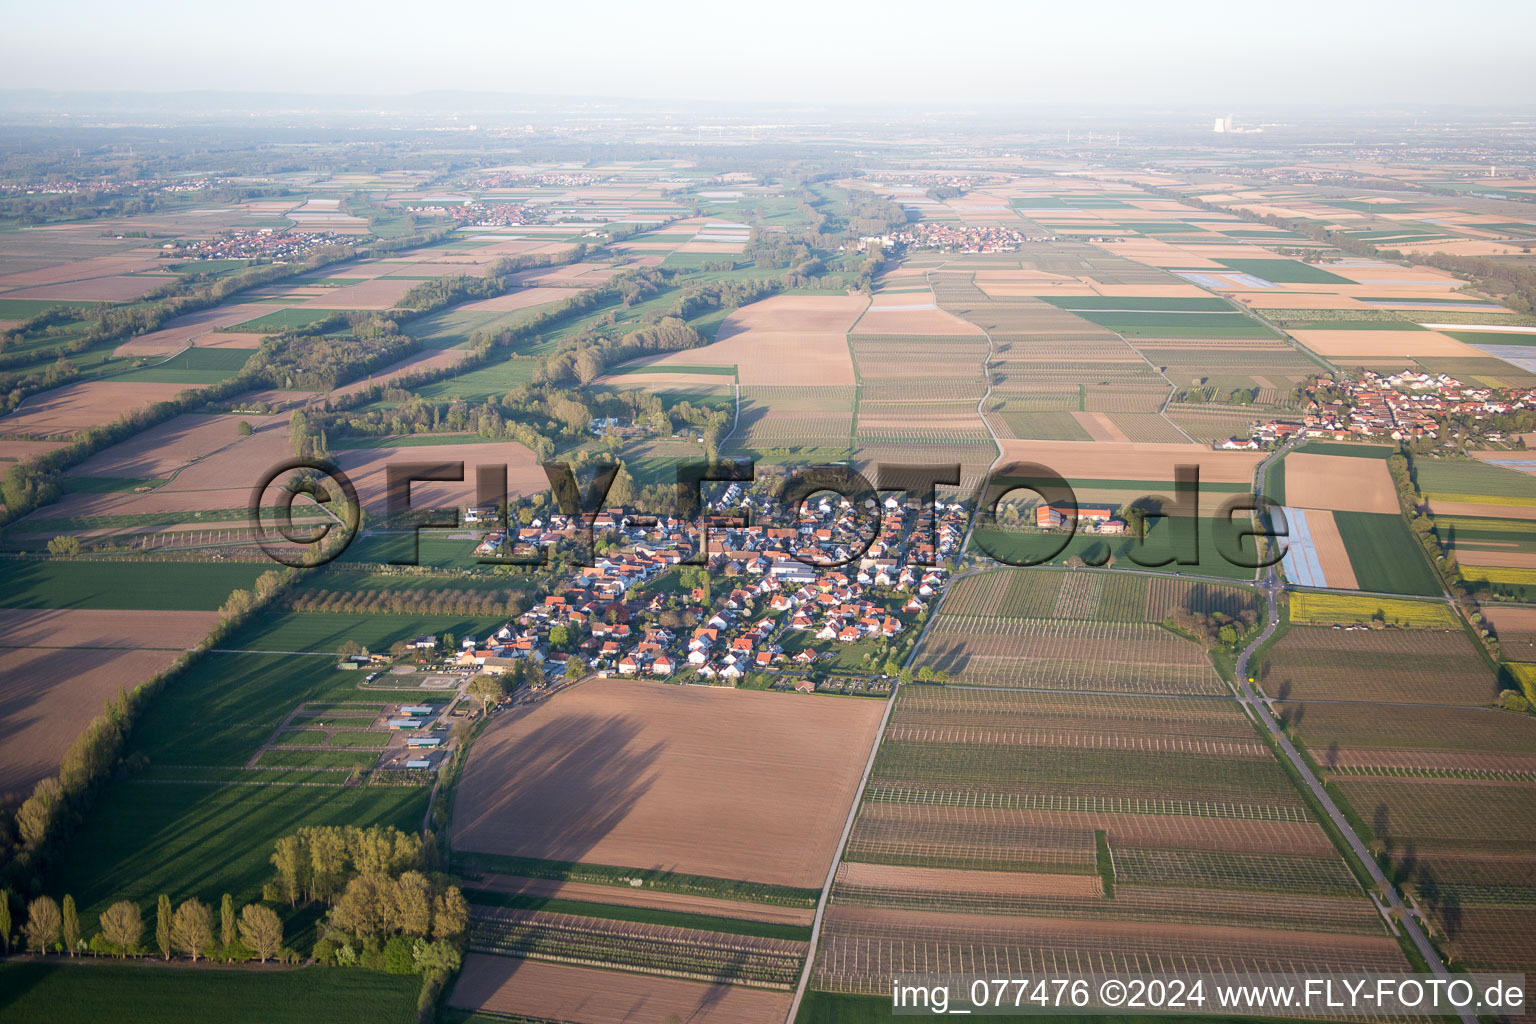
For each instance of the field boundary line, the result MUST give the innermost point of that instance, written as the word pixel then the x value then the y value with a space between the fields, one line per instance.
pixel 986 373
pixel 837 857
pixel 1285 750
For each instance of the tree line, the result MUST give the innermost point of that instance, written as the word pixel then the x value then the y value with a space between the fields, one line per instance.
pixel 39 826
pixel 255 934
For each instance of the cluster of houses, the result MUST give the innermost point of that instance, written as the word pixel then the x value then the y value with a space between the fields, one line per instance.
pixel 273 244
pixel 524 179
pixel 52 187
pixel 612 616
pixel 963 182
pixel 1401 406
pixel 471 213
pixel 958 238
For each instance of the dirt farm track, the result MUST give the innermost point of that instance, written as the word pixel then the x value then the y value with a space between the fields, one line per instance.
pixel 732 784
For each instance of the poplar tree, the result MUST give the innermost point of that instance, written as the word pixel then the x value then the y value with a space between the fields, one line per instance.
pixel 226 920
pixel 71 925
pixel 163 925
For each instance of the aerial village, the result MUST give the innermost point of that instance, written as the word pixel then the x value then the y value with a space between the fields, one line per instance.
pixel 254 243
pixel 1404 406
pixel 729 601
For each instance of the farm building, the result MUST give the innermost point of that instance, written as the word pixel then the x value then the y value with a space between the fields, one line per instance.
pixel 424 741
pixel 405 723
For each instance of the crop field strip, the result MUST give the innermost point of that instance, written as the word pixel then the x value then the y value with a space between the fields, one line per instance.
pixel 1042 653
pixel 887 827
pixel 1312 608
pixel 1134 772
pixel 863 948
pixel 1418 666
pixel 1058 896
pixel 901 840
pixel 922 707
pixel 1122 597
pixel 633 946
pixel 924 795
pixel 1433 813
pixel 1020 737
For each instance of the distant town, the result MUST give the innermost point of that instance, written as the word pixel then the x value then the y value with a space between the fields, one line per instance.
pixel 1407 406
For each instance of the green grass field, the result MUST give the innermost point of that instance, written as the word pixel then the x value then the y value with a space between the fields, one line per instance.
pixel 1285 271
pixel 155 586
pixel 481 383
pixel 1493 337
pixel 49 992
pixel 1384 554
pixel 323 759
pixel 327 631
pixel 1358 451
pixel 24 309
pixel 1140 302
pixel 433 549
pixel 694 260
pixel 194 366
pixel 1162 324
pixel 215 268
pixel 280 320
pixel 1018 548
pixel 343 579
pixel 1355 325
pixel 1468 476
pixel 194 839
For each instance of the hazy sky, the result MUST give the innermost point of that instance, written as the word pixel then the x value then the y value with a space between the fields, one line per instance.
pixel 1101 52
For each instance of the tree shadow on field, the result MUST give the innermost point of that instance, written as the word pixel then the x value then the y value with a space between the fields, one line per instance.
pixel 32 681
pixel 554 792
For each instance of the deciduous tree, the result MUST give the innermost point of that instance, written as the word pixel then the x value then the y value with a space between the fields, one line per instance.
pixel 192 928
pixel 411 905
pixel 292 863
pixel 34 819
pixel 122 925
pixel 450 914
pixel 43 922
pixel 261 931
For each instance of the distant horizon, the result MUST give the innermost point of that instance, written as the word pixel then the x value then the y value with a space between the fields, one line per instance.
pixel 1195 54
pixel 383 97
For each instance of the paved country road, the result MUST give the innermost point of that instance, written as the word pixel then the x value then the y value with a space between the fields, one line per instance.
pixel 1272 587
